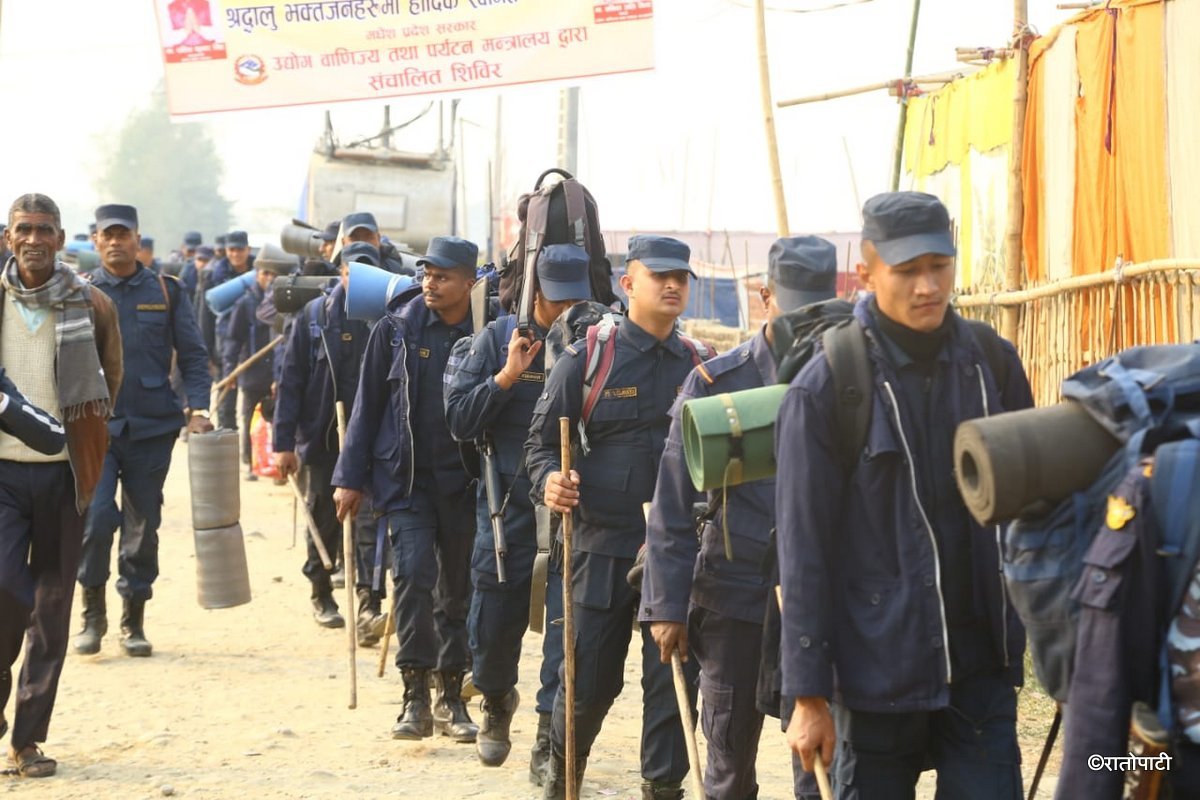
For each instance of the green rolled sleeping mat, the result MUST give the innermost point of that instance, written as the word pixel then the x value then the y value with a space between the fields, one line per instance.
pixel 729 438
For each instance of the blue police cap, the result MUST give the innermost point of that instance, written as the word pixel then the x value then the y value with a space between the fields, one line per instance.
pixel 220 241
pixel 803 270
pixel 113 214
pixel 450 252
pixel 660 253
pixel 359 219
pixel 146 242
pixel 192 238
pixel 562 272
pixel 206 252
pixel 330 233
pixel 237 239
pixel 362 252
pixel 905 225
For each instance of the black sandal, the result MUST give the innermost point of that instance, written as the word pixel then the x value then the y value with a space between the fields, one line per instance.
pixel 32 763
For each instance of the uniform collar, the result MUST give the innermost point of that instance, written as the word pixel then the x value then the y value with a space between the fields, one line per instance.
pixel 103 277
pixel 432 318
pixel 641 339
pixel 760 352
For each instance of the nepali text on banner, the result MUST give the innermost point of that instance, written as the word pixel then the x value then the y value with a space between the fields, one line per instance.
pixel 227 55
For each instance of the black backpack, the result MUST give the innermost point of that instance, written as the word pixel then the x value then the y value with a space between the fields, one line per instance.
pixel 563 212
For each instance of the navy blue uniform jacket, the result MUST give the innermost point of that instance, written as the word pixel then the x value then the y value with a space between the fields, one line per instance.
pixel 863 619
pixel 626 433
pixel 246 335
pixel 738 588
pixel 319 368
pixel 378 456
pixel 154 327
pixel 476 405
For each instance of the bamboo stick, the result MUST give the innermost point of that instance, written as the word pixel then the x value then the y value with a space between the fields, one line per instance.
pixel 1013 272
pixel 764 79
pixel 1127 273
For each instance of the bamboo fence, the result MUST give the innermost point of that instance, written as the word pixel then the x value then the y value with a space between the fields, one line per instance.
pixel 1071 323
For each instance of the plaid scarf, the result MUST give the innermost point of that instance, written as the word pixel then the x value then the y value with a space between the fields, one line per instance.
pixel 79 374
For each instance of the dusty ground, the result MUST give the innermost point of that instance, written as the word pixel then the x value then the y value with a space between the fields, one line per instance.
pixel 252 701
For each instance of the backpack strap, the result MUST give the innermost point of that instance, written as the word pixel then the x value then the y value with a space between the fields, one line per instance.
pixel 993 351
pixel 601 352
pixel 700 353
pixel 846 351
pixel 576 210
pixel 1177 509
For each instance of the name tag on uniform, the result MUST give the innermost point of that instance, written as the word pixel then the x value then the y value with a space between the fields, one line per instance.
pixel 347 337
pixel 533 377
pixel 616 394
pixel 152 307
pixel 423 352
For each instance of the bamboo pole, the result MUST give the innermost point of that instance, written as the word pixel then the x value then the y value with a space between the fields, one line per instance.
pixel 764 79
pixel 227 382
pixel 940 77
pixel 1013 272
pixel 898 162
pixel 564 430
pixel 1078 282
pixel 348 564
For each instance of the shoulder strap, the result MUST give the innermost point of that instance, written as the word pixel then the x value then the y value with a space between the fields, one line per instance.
pixel 993 351
pixel 601 350
pixel 700 353
pixel 846 351
pixel 1177 509
pixel 576 210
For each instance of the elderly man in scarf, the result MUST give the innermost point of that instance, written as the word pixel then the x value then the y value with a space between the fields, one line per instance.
pixel 61 344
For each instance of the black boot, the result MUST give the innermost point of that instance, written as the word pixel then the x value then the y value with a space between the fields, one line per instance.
pixel 450 716
pixel 555 786
pixel 652 790
pixel 95 621
pixel 416 719
pixel 133 637
pixel 494 742
pixel 370 622
pixel 325 609
pixel 541 751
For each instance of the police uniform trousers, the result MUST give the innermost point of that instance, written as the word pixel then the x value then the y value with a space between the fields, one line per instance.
pixel 251 396
pixel 972 743
pixel 431 553
pixel 141 468
pixel 40 539
pixel 605 606
pixel 314 480
pixel 500 611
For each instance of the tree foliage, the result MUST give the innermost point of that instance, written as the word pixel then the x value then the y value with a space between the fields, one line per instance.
pixel 171 172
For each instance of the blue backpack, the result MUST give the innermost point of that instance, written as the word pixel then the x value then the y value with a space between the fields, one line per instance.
pixel 1143 396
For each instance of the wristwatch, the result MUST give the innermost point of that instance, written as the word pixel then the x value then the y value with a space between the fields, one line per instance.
pixel 200 412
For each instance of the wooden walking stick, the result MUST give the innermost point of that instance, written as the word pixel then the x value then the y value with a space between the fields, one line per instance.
pixel 689 729
pixel 230 380
pixel 564 432
pixel 685 711
pixel 819 770
pixel 314 533
pixel 349 565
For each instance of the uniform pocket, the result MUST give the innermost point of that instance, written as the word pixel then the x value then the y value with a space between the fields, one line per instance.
pixel 716 716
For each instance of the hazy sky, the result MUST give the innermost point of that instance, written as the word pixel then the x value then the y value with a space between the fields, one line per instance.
pixel 682 147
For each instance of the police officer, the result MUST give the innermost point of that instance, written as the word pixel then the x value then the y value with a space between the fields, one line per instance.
pixel 719 612
pixel 156 320
pixel 145 254
pixel 188 275
pixel 245 336
pixel 625 434
pixel 361 227
pixel 321 362
pixel 427 501
pixel 490 399
pixel 232 258
pixel 894 608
